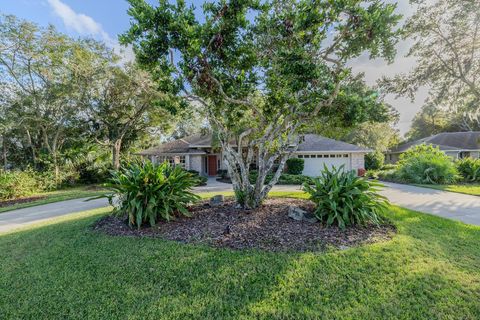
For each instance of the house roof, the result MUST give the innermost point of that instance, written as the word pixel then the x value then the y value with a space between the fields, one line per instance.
pixel 310 143
pixel 316 143
pixel 446 141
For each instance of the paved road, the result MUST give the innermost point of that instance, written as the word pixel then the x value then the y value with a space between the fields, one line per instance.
pixel 451 205
pixel 17 218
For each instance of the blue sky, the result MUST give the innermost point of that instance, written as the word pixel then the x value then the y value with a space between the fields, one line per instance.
pixel 105 19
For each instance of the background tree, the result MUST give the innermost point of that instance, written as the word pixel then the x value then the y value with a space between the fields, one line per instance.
pixel 260 69
pixel 447 50
pixel 122 104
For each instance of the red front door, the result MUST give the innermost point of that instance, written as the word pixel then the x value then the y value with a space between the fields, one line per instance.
pixel 212 165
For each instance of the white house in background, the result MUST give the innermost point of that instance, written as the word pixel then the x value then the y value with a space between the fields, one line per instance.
pixel 196 153
pixel 458 145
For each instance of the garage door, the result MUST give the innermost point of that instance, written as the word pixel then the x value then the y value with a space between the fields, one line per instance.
pixel 314 162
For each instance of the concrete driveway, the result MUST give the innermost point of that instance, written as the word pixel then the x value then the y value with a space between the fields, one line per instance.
pixel 456 206
pixel 445 204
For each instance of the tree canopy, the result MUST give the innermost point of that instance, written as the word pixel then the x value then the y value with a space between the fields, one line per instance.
pixel 447 49
pixel 259 68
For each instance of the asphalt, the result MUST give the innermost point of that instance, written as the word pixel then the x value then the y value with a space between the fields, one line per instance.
pixel 456 206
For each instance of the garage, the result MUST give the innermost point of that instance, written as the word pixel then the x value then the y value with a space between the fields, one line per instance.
pixel 313 163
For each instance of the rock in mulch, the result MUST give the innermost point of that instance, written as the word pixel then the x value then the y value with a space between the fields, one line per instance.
pixel 268 227
pixel 301 215
pixel 217 200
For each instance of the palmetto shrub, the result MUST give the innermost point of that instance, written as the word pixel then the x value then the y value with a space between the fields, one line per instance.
pixel 426 164
pixel 342 198
pixel 147 192
pixel 469 169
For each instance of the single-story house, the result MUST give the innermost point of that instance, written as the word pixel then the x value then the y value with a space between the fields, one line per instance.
pixel 458 145
pixel 197 153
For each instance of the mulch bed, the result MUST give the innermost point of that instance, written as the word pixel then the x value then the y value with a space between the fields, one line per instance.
pixel 266 228
pixel 8 203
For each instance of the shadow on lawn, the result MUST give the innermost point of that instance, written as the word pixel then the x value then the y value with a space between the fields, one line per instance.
pixel 66 270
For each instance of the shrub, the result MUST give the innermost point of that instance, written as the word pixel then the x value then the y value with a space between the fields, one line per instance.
pixel 374 160
pixel 202 181
pixel 16 184
pixel 148 193
pixel 469 169
pixel 426 164
pixel 285 178
pixel 223 174
pixel 388 166
pixel 295 166
pixel 344 199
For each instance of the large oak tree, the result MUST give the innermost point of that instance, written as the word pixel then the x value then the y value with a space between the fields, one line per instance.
pixel 446 36
pixel 261 69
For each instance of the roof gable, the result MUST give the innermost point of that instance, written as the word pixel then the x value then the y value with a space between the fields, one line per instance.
pixel 447 141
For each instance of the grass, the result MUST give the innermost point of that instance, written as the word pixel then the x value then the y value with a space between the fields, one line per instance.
pixel 55 196
pixel 62 269
pixel 472 189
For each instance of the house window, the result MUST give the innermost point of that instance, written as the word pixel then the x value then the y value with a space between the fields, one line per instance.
pixel 345 155
pixel 300 156
pixel 306 156
pixel 319 155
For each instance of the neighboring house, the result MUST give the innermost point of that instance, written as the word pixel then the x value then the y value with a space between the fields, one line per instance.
pixel 196 153
pixel 458 145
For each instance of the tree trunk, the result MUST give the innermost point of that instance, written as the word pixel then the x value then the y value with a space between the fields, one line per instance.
pixel 248 195
pixel 4 153
pixel 117 145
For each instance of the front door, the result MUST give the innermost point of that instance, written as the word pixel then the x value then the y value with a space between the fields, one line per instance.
pixel 212 165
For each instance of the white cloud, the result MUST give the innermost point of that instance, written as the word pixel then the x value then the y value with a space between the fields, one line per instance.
pixel 87 26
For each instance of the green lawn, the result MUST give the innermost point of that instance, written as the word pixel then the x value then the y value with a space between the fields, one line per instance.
pixel 62 269
pixel 55 196
pixel 473 189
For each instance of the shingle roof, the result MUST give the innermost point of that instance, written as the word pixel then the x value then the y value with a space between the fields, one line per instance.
pixel 447 141
pixel 314 142
pixel 310 143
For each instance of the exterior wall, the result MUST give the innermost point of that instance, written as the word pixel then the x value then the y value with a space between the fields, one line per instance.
pixel 392 158
pixel 453 154
pixel 196 163
pixel 474 154
pixel 357 161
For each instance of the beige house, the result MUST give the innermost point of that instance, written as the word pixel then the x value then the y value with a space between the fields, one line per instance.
pixel 458 145
pixel 197 153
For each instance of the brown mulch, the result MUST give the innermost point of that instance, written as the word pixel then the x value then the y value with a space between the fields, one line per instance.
pixel 266 228
pixel 8 203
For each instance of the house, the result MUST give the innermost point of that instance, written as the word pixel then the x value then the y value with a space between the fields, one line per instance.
pixel 458 145
pixel 197 153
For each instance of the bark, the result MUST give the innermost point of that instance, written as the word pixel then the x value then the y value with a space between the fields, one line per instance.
pixel 117 145
pixel 4 153
pixel 238 162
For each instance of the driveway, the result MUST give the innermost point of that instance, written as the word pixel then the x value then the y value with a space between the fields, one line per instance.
pixel 456 206
pixel 445 204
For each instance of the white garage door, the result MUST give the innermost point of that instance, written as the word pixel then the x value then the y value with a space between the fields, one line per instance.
pixel 314 162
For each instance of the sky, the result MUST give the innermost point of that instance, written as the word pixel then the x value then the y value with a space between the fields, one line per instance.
pixel 105 19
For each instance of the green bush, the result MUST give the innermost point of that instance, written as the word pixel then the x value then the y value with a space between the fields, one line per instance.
pixel 374 160
pixel 285 178
pixel 388 166
pixel 148 193
pixel 202 181
pixel 344 199
pixel 426 164
pixel 295 166
pixel 469 169
pixel 17 184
